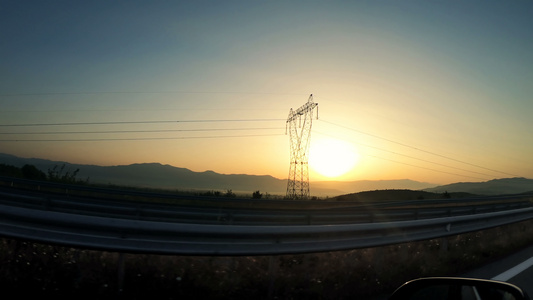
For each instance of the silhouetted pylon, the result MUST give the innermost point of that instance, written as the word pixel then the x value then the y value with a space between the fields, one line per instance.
pixel 299 125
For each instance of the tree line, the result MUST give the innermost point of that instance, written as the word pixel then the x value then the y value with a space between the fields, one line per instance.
pixel 63 175
pixel 56 173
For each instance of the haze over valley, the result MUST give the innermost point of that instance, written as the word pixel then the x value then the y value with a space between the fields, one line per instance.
pixel 158 176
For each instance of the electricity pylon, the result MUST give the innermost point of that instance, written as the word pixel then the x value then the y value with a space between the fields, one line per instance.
pixel 299 124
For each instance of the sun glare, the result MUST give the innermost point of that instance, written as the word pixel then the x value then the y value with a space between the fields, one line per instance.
pixel 331 157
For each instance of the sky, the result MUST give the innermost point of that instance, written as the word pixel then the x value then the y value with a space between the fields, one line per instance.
pixel 433 91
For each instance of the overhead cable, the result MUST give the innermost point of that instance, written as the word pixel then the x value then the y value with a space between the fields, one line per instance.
pixel 138 139
pixel 418 149
pixel 137 131
pixel 137 122
pixel 415 158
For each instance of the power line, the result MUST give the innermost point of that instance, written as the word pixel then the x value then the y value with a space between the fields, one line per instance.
pixel 145 92
pixel 417 158
pixel 139 131
pixel 134 110
pixel 139 139
pixel 430 169
pixel 418 149
pixel 137 122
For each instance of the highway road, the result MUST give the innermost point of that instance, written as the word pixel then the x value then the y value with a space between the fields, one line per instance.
pixel 516 269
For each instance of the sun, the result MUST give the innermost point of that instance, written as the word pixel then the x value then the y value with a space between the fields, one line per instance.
pixel 332 158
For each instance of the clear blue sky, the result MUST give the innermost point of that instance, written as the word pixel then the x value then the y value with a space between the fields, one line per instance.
pixel 435 91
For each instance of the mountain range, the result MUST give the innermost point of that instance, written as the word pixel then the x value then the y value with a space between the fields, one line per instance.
pixel 502 186
pixel 159 176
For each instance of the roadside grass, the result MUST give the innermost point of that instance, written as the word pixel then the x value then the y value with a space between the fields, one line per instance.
pixel 33 269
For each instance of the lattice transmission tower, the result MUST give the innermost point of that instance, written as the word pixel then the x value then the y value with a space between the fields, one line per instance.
pixel 299 125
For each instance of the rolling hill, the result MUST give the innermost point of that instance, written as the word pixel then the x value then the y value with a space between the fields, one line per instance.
pixel 502 186
pixel 159 176
pixel 155 175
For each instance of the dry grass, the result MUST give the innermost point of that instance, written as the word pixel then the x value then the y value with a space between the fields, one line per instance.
pixel 35 269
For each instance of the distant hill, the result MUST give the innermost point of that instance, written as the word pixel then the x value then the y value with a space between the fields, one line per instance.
pixel 503 186
pixel 155 175
pixel 344 187
pixel 397 195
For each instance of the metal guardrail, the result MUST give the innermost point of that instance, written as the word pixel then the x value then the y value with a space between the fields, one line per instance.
pixel 129 226
pixel 104 202
pixel 212 214
pixel 125 235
